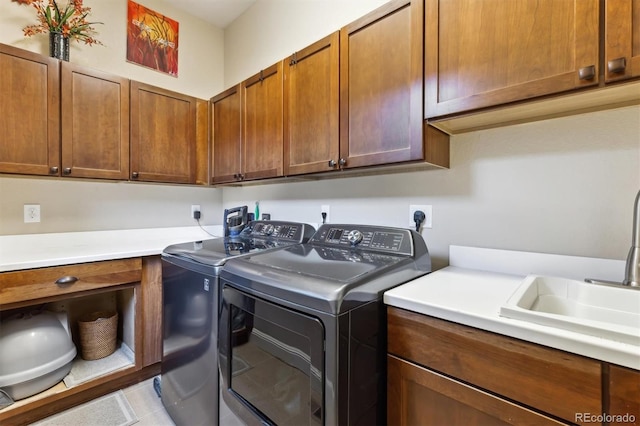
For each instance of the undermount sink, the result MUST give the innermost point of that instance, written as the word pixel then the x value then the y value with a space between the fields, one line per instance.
pixel 608 312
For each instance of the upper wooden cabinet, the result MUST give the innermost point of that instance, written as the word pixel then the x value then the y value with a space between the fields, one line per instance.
pixel 29 112
pixel 203 145
pixel 226 135
pixel 381 86
pixel 491 52
pixel 262 118
pixel 163 135
pixel 247 135
pixel 622 39
pixel 95 123
pixel 311 108
pixel 352 99
pixel 61 119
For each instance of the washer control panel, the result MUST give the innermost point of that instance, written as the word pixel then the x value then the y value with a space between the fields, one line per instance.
pixel 290 231
pixel 365 237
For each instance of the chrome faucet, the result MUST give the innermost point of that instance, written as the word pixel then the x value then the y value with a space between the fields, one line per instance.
pixel 632 270
pixel 632 273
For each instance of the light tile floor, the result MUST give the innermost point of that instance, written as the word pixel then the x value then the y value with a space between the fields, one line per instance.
pixel 150 412
pixel 147 405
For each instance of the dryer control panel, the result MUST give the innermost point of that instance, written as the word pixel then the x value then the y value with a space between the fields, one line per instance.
pixel 365 237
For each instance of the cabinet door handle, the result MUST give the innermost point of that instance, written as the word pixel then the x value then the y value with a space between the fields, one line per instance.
pixel 587 73
pixel 332 163
pixel 53 170
pixel 66 170
pixel 66 280
pixel 135 175
pixel 342 162
pixel 617 65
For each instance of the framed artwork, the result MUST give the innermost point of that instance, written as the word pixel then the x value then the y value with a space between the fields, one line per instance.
pixel 152 39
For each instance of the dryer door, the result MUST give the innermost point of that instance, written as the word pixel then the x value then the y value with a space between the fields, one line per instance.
pixel 272 361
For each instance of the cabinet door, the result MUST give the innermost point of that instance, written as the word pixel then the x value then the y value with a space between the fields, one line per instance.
pixel 203 165
pixel 163 135
pixel 262 137
pixel 381 75
pixel 225 161
pixel 624 396
pixel 491 52
pixel 95 123
pixel 417 396
pixel 622 39
pixel 29 112
pixel 550 380
pixel 311 108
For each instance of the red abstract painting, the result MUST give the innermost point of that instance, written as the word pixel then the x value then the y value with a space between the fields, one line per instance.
pixel 152 39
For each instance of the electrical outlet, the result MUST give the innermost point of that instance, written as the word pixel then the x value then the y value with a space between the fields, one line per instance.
pixel 428 212
pixel 195 208
pixel 325 208
pixel 31 213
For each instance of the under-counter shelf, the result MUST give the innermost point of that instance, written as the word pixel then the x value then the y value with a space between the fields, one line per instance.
pixel 85 372
pixel 132 287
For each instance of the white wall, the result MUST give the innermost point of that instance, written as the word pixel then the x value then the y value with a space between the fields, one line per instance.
pixel 84 205
pixel 78 205
pixel 201 45
pixel 559 186
pixel 271 30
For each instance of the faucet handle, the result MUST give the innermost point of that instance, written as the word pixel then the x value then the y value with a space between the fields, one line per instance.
pixel 632 270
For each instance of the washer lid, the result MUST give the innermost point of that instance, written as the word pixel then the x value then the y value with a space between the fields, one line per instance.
pixel 258 236
pixel 215 252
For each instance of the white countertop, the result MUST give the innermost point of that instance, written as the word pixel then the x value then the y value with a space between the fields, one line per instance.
pixel 54 249
pixel 479 281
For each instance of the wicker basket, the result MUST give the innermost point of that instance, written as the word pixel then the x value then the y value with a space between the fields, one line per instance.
pixel 98 332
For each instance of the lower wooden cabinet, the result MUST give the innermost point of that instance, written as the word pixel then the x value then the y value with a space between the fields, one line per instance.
pixel 624 396
pixel 418 396
pixel 133 287
pixel 150 327
pixel 441 372
pixel 27 287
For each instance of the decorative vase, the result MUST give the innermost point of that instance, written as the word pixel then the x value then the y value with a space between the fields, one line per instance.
pixel 58 46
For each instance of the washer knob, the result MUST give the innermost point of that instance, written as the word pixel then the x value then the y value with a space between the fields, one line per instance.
pixel 268 229
pixel 354 237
